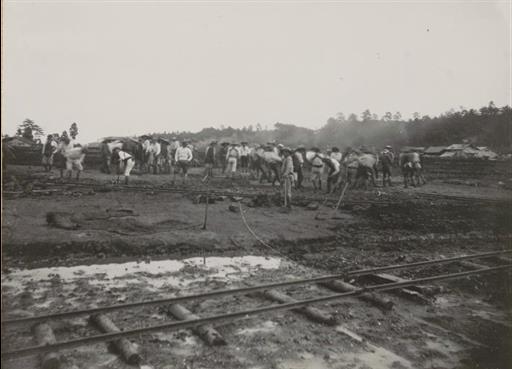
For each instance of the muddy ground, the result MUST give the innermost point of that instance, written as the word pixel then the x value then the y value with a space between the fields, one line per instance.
pixel 465 324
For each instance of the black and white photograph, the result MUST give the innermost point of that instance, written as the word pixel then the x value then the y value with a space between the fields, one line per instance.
pixel 273 184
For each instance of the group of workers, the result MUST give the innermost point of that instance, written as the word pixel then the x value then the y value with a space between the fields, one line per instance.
pixel 64 152
pixel 279 164
pixel 154 155
pixel 273 162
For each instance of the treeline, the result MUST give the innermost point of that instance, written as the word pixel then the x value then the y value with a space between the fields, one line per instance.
pixel 488 126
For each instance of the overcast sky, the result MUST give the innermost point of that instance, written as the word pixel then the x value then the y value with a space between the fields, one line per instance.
pixel 131 67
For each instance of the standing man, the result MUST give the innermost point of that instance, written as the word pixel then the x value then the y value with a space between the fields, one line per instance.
pixel 59 158
pixel 298 166
pixel 173 146
pixel 387 158
pixel 287 176
pixel 209 160
pixel 146 143
pixel 154 154
pixel 232 160
pixel 105 157
pixel 49 149
pixel 244 156
pixel 183 159
pixel 163 158
pixel 317 168
pixel 223 155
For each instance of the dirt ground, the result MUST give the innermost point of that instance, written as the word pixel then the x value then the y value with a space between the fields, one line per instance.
pixel 465 324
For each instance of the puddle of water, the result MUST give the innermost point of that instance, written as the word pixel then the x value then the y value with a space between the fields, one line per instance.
pixel 155 274
pixel 265 327
pixel 32 291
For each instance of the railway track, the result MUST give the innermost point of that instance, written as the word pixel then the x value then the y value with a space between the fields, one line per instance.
pixel 50 348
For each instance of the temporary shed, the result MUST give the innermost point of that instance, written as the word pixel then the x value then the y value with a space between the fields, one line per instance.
pixel 435 151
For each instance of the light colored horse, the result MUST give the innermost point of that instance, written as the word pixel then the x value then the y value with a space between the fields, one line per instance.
pixel 410 164
pixel 360 167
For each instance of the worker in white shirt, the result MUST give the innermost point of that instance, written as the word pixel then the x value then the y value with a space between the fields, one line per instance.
pixel 333 174
pixel 232 159
pixel 336 154
pixel 287 176
pixel 154 152
pixel 259 164
pixel 298 166
pixel 146 143
pixel 273 162
pixel 317 169
pixel 173 146
pixel 73 141
pixel 183 159
pixel 244 156
pixel 124 161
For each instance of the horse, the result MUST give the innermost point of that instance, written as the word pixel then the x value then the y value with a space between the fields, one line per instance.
pixel 410 164
pixel 359 167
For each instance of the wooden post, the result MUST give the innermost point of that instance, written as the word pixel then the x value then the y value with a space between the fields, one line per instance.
pixel 372 298
pixel 44 336
pixel 312 313
pixel 206 332
pixel 207 200
pixel 123 345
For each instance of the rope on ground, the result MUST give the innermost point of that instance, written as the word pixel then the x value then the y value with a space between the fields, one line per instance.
pixel 259 238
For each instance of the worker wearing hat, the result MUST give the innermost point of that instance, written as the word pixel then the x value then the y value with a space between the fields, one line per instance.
pixel 49 149
pixel 232 156
pixel 124 161
pixel 287 175
pixel 183 159
pixel 336 154
pixel 173 146
pixel 298 165
pixel 146 143
pixel 154 155
pixel 317 168
pixel 333 174
pixel 244 156
pixel 222 155
pixel 278 148
pixel 387 159
pixel 209 160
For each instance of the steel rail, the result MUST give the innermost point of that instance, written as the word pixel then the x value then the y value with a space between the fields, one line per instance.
pixel 246 290
pixel 237 315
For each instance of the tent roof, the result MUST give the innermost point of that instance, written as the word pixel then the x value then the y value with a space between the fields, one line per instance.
pixel 435 149
pixel 457 147
pixel 412 148
pixel 19 141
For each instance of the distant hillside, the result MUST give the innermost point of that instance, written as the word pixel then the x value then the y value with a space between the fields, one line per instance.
pixel 487 126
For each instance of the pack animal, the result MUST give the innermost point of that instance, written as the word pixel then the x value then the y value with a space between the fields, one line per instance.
pixel 360 167
pixel 412 170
